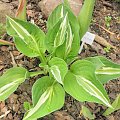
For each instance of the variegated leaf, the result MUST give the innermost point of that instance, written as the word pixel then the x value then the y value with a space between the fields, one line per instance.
pixel 89 87
pixel 55 16
pixel 58 68
pixel 71 34
pixel 108 71
pixel 82 84
pixel 105 69
pixel 47 96
pixel 56 73
pixel 60 36
pixel 28 37
pixel 69 40
pixel 11 80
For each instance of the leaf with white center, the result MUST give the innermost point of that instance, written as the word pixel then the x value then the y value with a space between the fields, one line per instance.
pixel 105 69
pixel 60 36
pixel 58 68
pixel 11 80
pixel 56 36
pixel 92 89
pixel 83 83
pixel 108 71
pixel 66 50
pixel 69 40
pixel 28 37
pixel 56 73
pixel 47 96
pixel 70 48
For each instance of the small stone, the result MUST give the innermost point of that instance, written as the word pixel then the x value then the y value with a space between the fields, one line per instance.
pixel 113 56
pixel 16 118
pixel 110 117
pixel 92 105
pixel 7 1
pixel 4 109
pixel 10 116
pixel 98 48
pixel 16 53
pixel 112 95
pixel 97 110
pixel 1 67
pixel 2 105
pixel 5 9
pixel 16 107
pixel 62 115
pixel 13 98
pixel 3 48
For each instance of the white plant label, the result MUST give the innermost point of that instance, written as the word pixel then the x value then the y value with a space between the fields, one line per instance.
pixel 88 38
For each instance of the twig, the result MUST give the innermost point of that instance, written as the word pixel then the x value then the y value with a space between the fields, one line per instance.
pixel 107 4
pixel 3 42
pixel 103 42
pixel 19 57
pixel 2 116
pixel 105 29
pixel 13 60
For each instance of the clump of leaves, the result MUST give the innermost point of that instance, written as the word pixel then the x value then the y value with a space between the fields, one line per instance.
pixel 82 79
pixel 107 49
pixel 115 105
pixel 108 20
pixel 87 114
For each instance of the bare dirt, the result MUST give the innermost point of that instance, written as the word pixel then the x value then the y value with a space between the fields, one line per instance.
pixel 9 57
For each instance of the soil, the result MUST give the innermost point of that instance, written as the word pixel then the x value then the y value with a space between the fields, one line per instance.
pixel 9 57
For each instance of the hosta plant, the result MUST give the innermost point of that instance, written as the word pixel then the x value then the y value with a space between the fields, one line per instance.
pixel 62 71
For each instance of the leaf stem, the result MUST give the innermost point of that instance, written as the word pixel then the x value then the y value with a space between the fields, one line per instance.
pixel 32 74
pixel 42 58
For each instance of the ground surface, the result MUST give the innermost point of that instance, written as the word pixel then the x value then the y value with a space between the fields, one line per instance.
pixel 9 57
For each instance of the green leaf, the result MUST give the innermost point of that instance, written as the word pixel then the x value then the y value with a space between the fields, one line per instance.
pixel 67 4
pixel 26 106
pixel 56 36
pixel 65 50
pixel 21 11
pixel 29 39
pixel 105 69
pixel 11 80
pixel 55 16
pixel 70 48
pixel 85 16
pixel 87 114
pixel 47 97
pixel 58 68
pixel 71 33
pixel 60 36
pixel 115 105
pixel 81 83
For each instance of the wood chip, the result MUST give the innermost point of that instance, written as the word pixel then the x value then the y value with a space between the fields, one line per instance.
pixel 1 67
